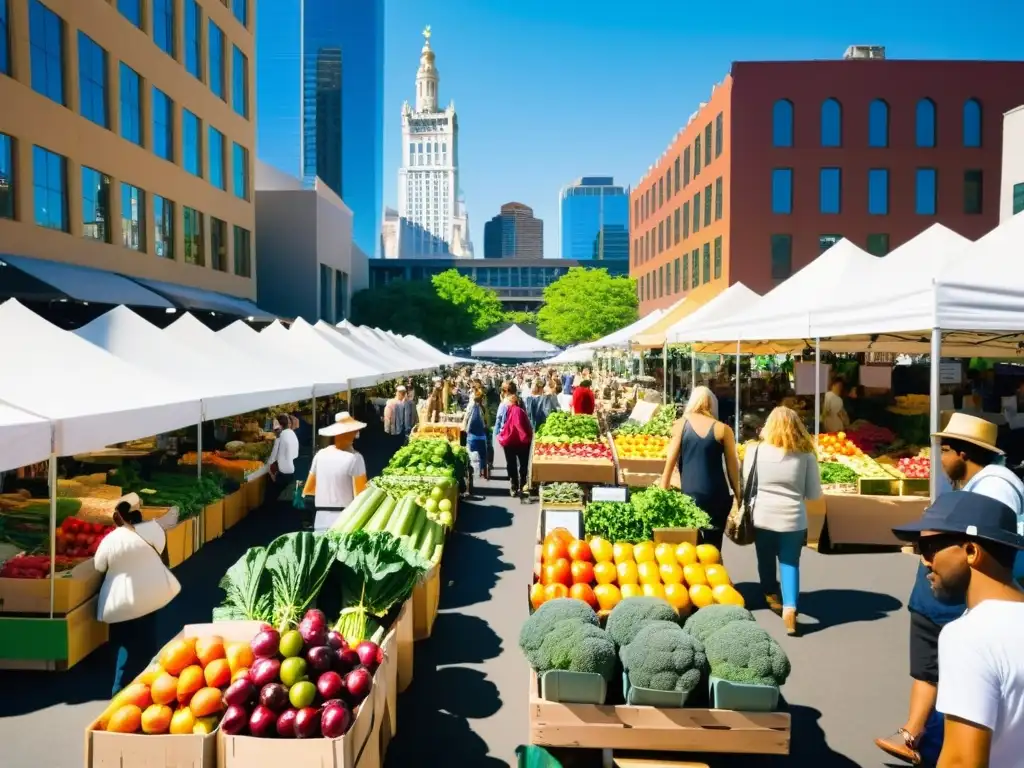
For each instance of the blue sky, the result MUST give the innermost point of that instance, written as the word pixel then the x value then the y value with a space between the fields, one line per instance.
pixel 550 90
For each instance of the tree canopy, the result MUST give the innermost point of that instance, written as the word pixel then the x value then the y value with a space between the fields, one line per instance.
pixel 447 310
pixel 586 304
pixel 520 317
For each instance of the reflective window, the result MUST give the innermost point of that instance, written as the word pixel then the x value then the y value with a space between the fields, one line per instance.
pixel 163 125
pixel 7 187
pixel 782 123
pixel 216 51
pixel 675 227
pixel 241 10
pixel 924 125
pixel 686 270
pixel 95 205
pixel 1018 192
pixel 216 148
pixel 696 156
pixel 686 167
pixel 163 26
pixel 696 212
pixel 192 220
pixel 827 241
pixel 707 144
pixel 718 257
pixel 677 175
pixel 163 227
pixel 707 206
pixel 133 217
pixel 240 82
pixel 686 219
pixel 782 190
pixel 719 128
pixel 92 80
pixel 831 123
pixel 131 105
pixel 718 198
pixel 829 190
pixel 878 191
pixel 972 191
pixel 706 269
pixel 191 143
pixel 194 39
pixel 972 123
pixel 46 33
pixel 243 252
pixel 240 170
pixel 782 256
pixel 878 123
pixel 675 282
pixel 218 244
pixel 695 271
pixel 925 191
pixel 131 10
pixel 50 195
pixel 878 244
pixel 5 40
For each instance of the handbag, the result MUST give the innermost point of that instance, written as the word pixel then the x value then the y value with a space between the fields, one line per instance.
pixel 740 525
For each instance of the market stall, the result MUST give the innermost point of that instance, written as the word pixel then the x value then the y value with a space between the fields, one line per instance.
pixel 571 448
pixel 513 344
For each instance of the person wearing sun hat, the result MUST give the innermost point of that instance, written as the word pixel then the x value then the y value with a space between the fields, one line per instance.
pixel 338 472
pixel 968 543
pixel 970 460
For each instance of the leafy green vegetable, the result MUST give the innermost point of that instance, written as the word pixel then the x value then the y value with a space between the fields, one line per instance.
pixel 298 564
pixel 428 458
pixel 660 424
pixel 561 493
pixel 246 588
pixel 569 426
pixel 189 493
pixel 613 520
pixel 834 473
pixel 636 519
pixel 377 572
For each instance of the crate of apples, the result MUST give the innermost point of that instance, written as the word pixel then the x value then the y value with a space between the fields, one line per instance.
pixel 579 450
pixel 915 467
pixel 601 573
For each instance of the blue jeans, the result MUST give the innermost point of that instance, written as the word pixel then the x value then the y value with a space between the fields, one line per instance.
pixel 785 548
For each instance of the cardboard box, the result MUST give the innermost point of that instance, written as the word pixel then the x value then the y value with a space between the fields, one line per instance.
pixel 234 508
pixel 213 521
pixel 595 471
pixel 180 545
pixel 254 492
pixel 425 600
pixel 40 643
pixel 869 520
pixel 404 643
pixel 119 750
pixel 33 595
pixel 388 672
pixel 676 535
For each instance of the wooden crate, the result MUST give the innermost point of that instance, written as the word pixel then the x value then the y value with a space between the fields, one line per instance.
pixel 57 644
pixel 254 492
pixel 33 595
pixel 213 521
pixel 426 597
pixel 625 727
pixel 594 471
pixel 404 646
pixel 180 546
pixel 234 508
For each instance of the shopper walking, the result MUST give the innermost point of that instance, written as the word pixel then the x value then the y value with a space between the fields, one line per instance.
pixel 136 585
pixel 968 543
pixel 477 434
pixel 338 472
pixel 785 469
pixel 970 459
pixel 583 400
pixel 508 389
pixel 699 445
pixel 400 416
pixel 540 404
pixel 833 409
pixel 280 465
pixel 515 438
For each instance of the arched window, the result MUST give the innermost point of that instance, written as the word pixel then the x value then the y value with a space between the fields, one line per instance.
pixel 972 123
pixel 924 130
pixel 782 123
pixel 878 123
pixel 831 123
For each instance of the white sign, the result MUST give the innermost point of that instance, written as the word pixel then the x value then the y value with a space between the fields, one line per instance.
pixel 608 493
pixel 951 373
pixel 643 411
pixel 803 373
pixel 570 519
pixel 875 376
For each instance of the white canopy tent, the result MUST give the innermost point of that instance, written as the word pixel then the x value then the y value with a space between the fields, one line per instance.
pixel 415 360
pixel 729 303
pixel 620 338
pixel 418 343
pixel 577 354
pixel 513 343
pixel 382 356
pixel 24 438
pixel 307 343
pixel 93 398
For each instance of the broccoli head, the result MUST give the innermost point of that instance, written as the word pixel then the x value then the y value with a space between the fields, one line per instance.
pixel 707 621
pixel 537 626
pixel 744 653
pixel 576 646
pixel 664 658
pixel 627 618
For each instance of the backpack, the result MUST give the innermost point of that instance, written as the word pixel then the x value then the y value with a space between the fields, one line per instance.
pixel 516 431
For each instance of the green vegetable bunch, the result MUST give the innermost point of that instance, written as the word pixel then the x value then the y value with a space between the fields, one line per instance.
pixel 564 634
pixel 569 426
pixel 190 494
pixel 660 424
pixel 636 519
pixel 614 521
pixel 398 486
pixel 743 652
pixel 424 458
pixel 633 613
pixel 561 493
pixel 709 620
pixel 662 657
pixel 834 473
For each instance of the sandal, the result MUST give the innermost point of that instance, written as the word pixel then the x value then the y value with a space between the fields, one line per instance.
pixel 774 603
pixel 901 745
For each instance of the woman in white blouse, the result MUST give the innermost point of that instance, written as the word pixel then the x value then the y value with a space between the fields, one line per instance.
pixel 137 585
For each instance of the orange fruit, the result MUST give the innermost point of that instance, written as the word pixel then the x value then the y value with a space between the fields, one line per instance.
pixel 708 553
pixel 580 550
pixel 670 573
pixel 206 701
pixel 164 689
pixel 717 575
pixel 582 572
pixel 537 596
pixel 631 590
pixel 189 681
pixel 601 549
pixel 156 719
pixel 209 648
pixel 177 655
pixel 654 590
pixel 647 572
pixel 182 722
pixel 665 553
pixel 701 596
pixel 643 552
pixel 217 673
pixel 239 656
pixel 608 596
pixel 726 594
pixel 694 575
pixel 554 591
pixel 622 552
pixel 627 572
pixel 678 597
pixel 686 553
pixel 127 719
pixel 585 593
pixel 605 572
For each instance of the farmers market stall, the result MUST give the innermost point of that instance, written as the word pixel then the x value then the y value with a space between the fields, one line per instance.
pixel 570 448
pixel 513 344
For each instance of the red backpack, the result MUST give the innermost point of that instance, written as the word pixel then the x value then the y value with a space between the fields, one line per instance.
pixel 516 431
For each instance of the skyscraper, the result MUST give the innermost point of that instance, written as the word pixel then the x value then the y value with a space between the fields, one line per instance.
pixel 514 234
pixel 320 74
pixel 428 180
pixel 594 219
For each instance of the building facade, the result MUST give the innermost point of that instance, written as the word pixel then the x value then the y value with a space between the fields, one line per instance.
pixel 127 137
pixel 428 179
pixel 1011 193
pixel 594 219
pixel 321 100
pixel 515 233
pixel 786 158
pixel 519 283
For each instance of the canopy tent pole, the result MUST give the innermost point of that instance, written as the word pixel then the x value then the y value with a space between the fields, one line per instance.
pixel 817 388
pixel 933 412
pixel 52 480
pixel 314 423
pixel 664 366
pixel 199 443
pixel 737 414
pixel 693 369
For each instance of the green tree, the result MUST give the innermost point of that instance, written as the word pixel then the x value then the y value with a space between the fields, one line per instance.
pixel 586 304
pixel 480 305
pixel 521 318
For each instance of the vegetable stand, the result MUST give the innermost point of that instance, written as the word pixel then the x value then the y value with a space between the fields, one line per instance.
pixel 571 448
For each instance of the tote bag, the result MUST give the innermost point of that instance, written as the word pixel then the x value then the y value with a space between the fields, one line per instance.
pixel 740 525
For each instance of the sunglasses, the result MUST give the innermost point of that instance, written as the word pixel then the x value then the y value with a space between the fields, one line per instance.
pixel 929 546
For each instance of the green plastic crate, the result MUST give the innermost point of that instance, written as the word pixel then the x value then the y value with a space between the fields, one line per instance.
pixel 743 697
pixel 531 756
pixel 573 687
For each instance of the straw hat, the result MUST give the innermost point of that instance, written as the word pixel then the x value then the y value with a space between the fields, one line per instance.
pixel 972 430
pixel 343 423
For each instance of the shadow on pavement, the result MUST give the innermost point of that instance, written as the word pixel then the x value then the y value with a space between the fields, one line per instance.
pixel 469 570
pixel 479 518
pixel 829 607
pixel 460 639
pixel 440 739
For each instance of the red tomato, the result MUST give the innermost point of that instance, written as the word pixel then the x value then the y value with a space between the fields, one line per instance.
pixel 551 591
pixel 580 550
pixel 585 593
pixel 558 572
pixel 555 549
pixel 582 572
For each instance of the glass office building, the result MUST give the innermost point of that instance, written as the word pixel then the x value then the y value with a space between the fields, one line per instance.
pixel 320 74
pixel 594 219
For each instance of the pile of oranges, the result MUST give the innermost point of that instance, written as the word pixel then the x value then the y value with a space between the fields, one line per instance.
pixel 601 573
pixel 641 446
pixel 836 444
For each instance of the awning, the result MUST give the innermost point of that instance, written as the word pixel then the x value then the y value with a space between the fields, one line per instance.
pixel 76 282
pixel 198 299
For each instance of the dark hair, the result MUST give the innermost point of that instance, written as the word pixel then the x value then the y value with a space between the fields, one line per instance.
pixel 513 399
pixel 285 420
pixel 585 383
pixel 1004 555
pixel 128 515
pixel 837 380
pixel 511 388
pixel 973 453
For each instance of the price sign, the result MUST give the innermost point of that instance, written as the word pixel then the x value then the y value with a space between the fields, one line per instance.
pixel 570 519
pixel 950 373
pixel 608 493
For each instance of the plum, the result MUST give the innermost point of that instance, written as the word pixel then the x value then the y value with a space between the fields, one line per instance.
pixel 262 722
pixel 313 628
pixel 371 655
pixel 335 641
pixel 241 693
pixel 265 671
pixel 335 721
pixel 286 724
pixel 235 720
pixel 319 658
pixel 274 696
pixel 358 683
pixel 307 723
pixel 345 660
pixel 266 644
pixel 330 685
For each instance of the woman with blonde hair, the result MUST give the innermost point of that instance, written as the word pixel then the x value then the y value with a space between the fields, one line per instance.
pixel 699 444
pixel 786 475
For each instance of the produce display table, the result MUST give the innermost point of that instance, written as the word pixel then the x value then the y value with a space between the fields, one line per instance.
pixel 869 520
pixel 42 643
pixel 596 471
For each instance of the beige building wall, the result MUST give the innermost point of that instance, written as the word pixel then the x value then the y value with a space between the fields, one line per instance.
pixel 1011 197
pixel 32 119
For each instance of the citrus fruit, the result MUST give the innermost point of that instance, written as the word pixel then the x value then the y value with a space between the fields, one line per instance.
pixel 671 573
pixel 627 573
pixel 601 549
pixel 726 594
pixel 708 553
pixel 608 596
pixel 665 553
pixel 717 575
pixel 700 595
pixel 647 572
pixel 654 590
pixel 686 553
pixel 605 573
pixel 694 575
pixel 622 552
pixel 644 552
pixel 631 590
pixel 678 597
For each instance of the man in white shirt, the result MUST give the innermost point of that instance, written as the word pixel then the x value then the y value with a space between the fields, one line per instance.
pixel 968 543
pixel 280 465
pixel 338 472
